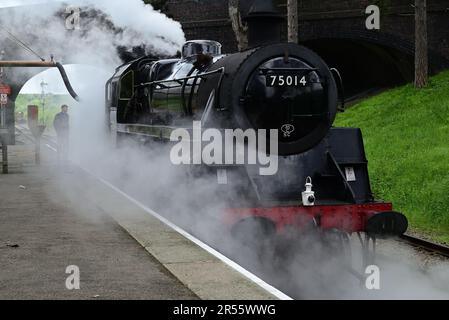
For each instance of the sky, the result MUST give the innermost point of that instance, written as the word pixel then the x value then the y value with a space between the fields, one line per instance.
pixel 53 79
pixel 77 76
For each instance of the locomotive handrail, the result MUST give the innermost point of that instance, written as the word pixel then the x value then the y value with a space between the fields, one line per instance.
pixel 341 88
pixel 217 89
pixel 310 115
pixel 185 108
pixel 179 80
pixel 266 70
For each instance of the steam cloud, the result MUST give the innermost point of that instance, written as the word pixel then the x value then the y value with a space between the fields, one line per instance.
pixel 109 25
pixel 107 30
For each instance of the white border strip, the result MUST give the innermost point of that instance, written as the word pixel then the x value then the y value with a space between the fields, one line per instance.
pixel 272 290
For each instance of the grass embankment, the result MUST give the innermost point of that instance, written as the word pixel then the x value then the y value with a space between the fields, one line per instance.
pixel 406 134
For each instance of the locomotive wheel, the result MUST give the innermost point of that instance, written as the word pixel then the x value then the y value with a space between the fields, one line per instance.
pixel 336 242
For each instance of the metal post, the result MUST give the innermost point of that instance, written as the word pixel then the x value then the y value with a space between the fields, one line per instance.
pixel 2 116
pixel 38 151
pixel 4 157
pixel 3 132
pixel 292 13
pixel 2 54
pixel 3 125
pixel 43 84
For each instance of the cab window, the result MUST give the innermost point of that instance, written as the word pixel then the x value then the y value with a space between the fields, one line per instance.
pixel 127 86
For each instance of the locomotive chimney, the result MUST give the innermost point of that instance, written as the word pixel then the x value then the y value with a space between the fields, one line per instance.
pixel 264 23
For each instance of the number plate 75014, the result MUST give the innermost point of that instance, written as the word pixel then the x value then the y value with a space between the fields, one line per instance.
pixel 283 80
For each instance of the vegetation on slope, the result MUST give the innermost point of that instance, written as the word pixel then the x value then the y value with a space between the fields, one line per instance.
pixel 406 134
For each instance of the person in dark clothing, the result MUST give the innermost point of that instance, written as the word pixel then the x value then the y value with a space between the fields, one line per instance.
pixel 61 125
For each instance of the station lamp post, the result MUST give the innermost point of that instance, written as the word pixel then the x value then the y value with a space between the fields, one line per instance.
pixel 43 97
pixel 5 91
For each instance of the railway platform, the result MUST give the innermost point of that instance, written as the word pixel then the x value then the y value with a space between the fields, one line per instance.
pixel 59 222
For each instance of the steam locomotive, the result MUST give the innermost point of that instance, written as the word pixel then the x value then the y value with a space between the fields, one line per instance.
pixel 322 181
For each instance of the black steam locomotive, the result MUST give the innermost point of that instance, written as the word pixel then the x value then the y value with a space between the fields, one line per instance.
pixel 272 85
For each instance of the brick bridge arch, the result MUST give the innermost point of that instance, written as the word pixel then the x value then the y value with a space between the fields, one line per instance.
pixel 335 27
pixel 368 59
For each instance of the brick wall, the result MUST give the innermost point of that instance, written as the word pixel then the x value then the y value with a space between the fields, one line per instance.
pixel 324 18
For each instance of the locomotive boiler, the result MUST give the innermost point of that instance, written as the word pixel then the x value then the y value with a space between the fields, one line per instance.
pixel 322 180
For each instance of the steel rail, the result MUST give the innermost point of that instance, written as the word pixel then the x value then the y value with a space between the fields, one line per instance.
pixel 426 245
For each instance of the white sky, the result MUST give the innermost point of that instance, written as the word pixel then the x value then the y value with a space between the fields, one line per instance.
pixel 82 77
pixel 50 76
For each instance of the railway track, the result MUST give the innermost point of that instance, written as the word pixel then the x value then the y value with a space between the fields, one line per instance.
pixel 425 245
pixel 24 131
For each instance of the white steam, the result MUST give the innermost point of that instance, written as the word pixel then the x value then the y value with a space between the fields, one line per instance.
pixel 104 26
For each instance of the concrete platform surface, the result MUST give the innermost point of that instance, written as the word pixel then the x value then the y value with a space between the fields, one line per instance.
pixel 42 233
pixel 206 275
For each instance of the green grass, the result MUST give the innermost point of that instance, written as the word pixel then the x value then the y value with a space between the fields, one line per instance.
pixel 52 105
pixel 406 134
